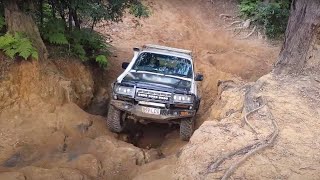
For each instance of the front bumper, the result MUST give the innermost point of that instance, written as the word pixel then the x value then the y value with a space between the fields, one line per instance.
pixel 165 114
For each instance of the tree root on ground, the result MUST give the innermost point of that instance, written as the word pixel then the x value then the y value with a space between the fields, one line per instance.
pixel 248 150
pixel 225 16
pixel 240 26
pixel 233 23
pixel 269 141
pixel 252 31
pixel 245 118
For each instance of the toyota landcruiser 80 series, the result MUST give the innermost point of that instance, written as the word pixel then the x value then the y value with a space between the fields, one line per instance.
pixel 158 85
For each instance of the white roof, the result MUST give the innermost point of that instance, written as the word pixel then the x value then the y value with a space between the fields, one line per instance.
pixel 168 51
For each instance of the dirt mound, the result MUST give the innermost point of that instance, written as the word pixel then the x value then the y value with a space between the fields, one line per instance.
pixel 46 135
pixel 293 103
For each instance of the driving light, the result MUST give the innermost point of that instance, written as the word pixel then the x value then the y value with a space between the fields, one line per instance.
pixel 123 90
pixel 182 98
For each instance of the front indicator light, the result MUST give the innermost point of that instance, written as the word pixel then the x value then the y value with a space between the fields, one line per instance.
pixel 123 90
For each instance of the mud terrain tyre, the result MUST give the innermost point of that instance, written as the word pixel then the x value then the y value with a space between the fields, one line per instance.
pixel 186 128
pixel 115 120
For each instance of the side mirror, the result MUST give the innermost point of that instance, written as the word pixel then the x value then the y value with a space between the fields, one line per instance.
pixel 199 77
pixel 125 65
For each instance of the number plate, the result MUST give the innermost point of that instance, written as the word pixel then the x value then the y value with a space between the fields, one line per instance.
pixel 149 110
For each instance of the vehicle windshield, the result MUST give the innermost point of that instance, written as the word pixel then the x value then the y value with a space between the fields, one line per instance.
pixel 163 64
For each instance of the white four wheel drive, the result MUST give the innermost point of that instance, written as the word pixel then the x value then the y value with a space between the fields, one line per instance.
pixel 158 85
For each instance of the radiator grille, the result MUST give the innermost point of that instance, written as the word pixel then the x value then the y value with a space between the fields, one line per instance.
pixel 154 95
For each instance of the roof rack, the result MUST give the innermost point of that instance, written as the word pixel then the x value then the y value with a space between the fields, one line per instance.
pixel 152 46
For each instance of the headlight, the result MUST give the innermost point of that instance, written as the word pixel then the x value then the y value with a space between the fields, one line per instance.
pixel 123 90
pixel 182 98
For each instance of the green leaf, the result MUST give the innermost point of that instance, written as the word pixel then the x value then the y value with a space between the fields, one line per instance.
pixel 79 52
pixel 25 54
pixel 102 61
pixel 17 44
pixel 139 10
pixel 6 40
pixel 35 55
pixel 58 38
pixel 10 52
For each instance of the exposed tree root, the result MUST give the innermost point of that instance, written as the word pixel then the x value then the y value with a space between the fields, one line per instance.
pixel 269 141
pixel 245 118
pixel 225 16
pixel 252 31
pixel 236 28
pixel 248 150
pixel 247 23
pixel 242 25
pixel 213 167
pixel 233 23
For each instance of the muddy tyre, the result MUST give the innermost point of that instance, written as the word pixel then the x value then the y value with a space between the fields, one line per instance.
pixel 186 128
pixel 115 120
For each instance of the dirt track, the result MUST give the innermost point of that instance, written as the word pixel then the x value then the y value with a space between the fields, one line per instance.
pixel 194 25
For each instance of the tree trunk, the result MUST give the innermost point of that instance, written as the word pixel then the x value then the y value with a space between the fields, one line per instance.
pixel 73 16
pixel 76 19
pixel 301 32
pixel 70 20
pixel 18 21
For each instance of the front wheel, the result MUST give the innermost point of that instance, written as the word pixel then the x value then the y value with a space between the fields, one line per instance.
pixel 115 120
pixel 186 128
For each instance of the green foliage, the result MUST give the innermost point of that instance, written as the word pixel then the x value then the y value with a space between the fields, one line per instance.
pixel 79 51
pixel 116 8
pixel 68 24
pixel 94 11
pixel 272 16
pixel 17 45
pixel 54 32
pixel 102 61
pixel 91 40
pixel 85 44
pixel 248 7
pixel 89 45
pixel 139 10
pixel 97 10
pixel 2 22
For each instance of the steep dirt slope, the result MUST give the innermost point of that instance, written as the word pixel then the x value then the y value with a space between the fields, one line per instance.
pixel 46 135
pixel 292 102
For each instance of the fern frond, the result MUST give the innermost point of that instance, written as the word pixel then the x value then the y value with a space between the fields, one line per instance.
pixel 6 41
pixel 102 61
pixel 57 38
pixel 10 52
pixel 79 51
pixel 34 54
pixel 17 44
